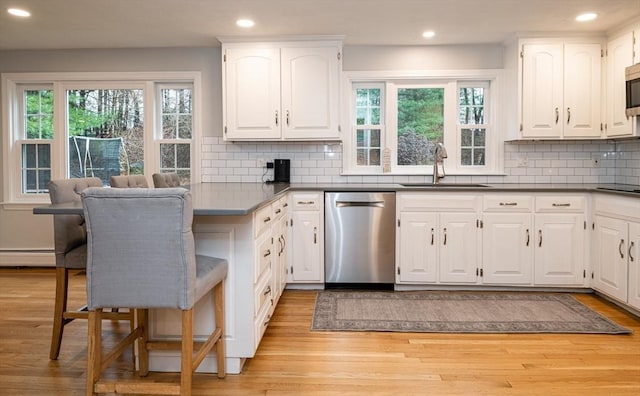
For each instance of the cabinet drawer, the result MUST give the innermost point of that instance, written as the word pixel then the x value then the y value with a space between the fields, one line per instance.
pixel 306 201
pixel 260 324
pixel 436 202
pixel 263 295
pixel 262 220
pixel 508 203
pixel 558 203
pixel 264 256
pixel 280 207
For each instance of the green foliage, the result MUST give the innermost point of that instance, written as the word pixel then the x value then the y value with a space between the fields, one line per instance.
pixel 85 120
pixel 421 110
pixel 420 124
pixel 39 114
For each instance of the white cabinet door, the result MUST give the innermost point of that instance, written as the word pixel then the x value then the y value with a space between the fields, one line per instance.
pixel 561 90
pixel 633 254
pixel 459 247
pixel 582 90
pixel 417 247
pixel 507 248
pixel 306 247
pixel 542 74
pixel 619 56
pixel 252 93
pixel 310 92
pixel 559 251
pixel 610 272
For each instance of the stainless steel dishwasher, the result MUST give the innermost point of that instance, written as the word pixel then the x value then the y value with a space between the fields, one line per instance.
pixel 360 239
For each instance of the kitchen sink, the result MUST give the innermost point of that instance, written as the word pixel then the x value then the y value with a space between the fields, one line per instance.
pixel 460 185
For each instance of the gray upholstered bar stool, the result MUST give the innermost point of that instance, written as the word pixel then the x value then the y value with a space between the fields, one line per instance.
pixel 141 256
pixel 128 181
pixel 70 243
pixel 166 180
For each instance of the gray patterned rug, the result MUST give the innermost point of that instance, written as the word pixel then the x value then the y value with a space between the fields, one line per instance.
pixel 457 312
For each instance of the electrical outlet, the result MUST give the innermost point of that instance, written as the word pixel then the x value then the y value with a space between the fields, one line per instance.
pixel 262 162
pixel 522 162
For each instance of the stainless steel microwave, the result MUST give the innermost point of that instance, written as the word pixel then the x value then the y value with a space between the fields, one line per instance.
pixel 632 77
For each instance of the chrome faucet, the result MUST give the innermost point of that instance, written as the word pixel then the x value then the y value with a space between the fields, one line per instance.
pixel 438 163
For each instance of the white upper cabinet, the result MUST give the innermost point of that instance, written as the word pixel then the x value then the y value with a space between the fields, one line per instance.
pixel 619 56
pixel 252 93
pixel 561 90
pixel 281 91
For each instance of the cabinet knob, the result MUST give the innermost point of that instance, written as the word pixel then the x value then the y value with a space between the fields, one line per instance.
pixel 568 114
pixel 276 117
pixel 557 115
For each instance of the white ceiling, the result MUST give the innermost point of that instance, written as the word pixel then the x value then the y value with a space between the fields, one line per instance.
pixel 57 24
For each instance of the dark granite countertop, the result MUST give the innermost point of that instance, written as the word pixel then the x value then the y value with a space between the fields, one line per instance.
pixel 233 199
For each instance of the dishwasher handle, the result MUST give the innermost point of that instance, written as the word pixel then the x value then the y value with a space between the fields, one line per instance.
pixel 371 204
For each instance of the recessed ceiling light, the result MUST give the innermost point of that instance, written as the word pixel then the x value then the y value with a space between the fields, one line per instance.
pixel 428 34
pixel 589 16
pixel 19 12
pixel 245 23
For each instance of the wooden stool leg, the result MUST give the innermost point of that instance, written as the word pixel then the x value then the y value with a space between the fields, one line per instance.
pixel 60 306
pixel 187 368
pixel 220 324
pixel 94 350
pixel 143 352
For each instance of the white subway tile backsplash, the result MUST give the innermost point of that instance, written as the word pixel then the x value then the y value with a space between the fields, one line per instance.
pixel 525 162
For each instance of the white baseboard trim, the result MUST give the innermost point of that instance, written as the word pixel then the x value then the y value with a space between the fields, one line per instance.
pixel 27 259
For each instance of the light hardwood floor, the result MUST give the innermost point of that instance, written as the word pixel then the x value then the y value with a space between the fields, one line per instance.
pixel 292 360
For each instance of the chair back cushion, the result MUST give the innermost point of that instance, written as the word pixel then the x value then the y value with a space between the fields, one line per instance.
pixel 69 230
pixel 128 181
pixel 140 248
pixel 166 180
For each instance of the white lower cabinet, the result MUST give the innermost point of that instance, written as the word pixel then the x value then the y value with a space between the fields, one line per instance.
pixel 633 253
pixel 616 247
pixel 507 247
pixel 559 249
pixel 611 268
pixel 307 238
pixel 437 238
pixel 417 247
pixel 459 247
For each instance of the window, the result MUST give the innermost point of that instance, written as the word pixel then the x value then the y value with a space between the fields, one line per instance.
pixel 406 117
pixel 176 109
pixel 369 124
pixel 472 124
pixel 35 136
pixel 101 125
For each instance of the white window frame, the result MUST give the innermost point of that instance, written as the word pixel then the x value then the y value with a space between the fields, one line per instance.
pixel 452 80
pixel 159 140
pixel 11 120
pixel 370 169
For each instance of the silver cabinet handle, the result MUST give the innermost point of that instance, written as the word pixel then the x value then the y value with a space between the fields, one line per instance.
pixel 306 202
pixel 287 117
pixel 508 204
pixel 561 205
pixel 620 248
pixel 557 115
pixel 315 235
pixel 276 117
pixel 432 236
pixel 630 250
pixel 445 237
pixel 568 114
pixel 540 236
pixel 528 237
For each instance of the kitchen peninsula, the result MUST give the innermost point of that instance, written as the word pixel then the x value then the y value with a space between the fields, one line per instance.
pixel 249 224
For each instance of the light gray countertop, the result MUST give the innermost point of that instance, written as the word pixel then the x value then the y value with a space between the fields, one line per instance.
pixel 237 199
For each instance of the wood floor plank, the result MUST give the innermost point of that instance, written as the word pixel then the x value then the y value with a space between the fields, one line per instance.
pixel 293 360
